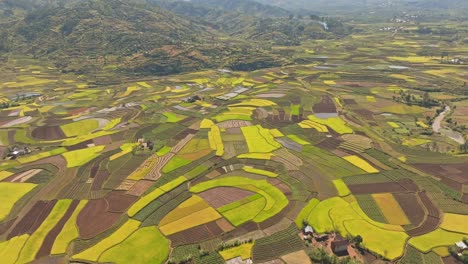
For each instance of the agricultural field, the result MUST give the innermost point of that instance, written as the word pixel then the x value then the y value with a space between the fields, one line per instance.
pixel 362 136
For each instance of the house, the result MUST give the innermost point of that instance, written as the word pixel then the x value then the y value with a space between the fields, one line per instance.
pixel 321 238
pixel 339 246
pixel 461 245
pixel 308 231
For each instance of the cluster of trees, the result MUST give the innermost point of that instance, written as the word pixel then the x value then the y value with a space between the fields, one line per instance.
pixel 463 257
pixel 410 99
pixel 319 255
pixel 4 105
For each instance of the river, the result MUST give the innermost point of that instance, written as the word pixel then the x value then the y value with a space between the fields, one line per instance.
pixel 437 128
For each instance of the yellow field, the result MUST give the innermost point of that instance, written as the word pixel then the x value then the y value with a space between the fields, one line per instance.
pixel 389 244
pixel 334 123
pixel 10 194
pixel 126 148
pixel 136 247
pixel 244 251
pixel 259 139
pixel 411 142
pixel 206 123
pixel 80 157
pixel 422 124
pixel 80 127
pixel 434 239
pixel 393 124
pixel 34 242
pixel 216 141
pixel 9 250
pixel 329 82
pixel 68 233
pixel 391 209
pixel 341 187
pixel 114 239
pixel 195 219
pixel 360 163
pixel 192 205
pixel 311 124
pixel 298 140
pixel 255 102
pixel 276 133
pixel 371 99
pixel 144 168
pixel 259 171
pixel 5 174
pixel 455 222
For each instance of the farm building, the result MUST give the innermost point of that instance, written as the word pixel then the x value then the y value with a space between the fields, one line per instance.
pixel 308 230
pixel 461 245
pixel 339 246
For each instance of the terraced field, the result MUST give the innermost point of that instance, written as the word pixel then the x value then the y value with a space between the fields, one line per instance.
pixel 124 167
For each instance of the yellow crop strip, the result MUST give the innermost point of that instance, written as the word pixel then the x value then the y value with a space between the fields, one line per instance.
pixel 216 141
pixel 360 163
pixel 114 239
pixel 68 233
pixel 391 209
pixel 34 242
pixel 10 194
pixel 192 220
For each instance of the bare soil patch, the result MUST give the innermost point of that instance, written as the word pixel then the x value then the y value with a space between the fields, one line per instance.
pixel 411 207
pixel 140 187
pixel 95 219
pixel 49 240
pixel 119 202
pixel 325 106
pixel 33 219
pixel 48 133
pixel 221 196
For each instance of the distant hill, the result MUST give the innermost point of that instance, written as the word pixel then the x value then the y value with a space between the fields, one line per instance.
pixel 154 36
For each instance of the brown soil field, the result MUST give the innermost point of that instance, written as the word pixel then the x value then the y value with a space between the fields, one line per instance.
pixel 431 208
pixel 140 187
pixel 119 202
pixel 33 219
pixel 99 179
pixel 49 240
pixel 234 124
pixel 429 225
pixel 350 101
pixel 376 188
pixel 221 196
pixel 48 133
pixel 450 260
pixel 329 143
pixel 95 219
pixel 454 175
pixel 196 234
pixel 104 140
pixel 368 115
pixel 325 106
pixel 78 111
pixel 185 133
pixel 5 226
pixel 410 205
pixel 224 225
pixel 81 145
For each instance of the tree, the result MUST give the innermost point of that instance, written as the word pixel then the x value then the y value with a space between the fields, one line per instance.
pixel 358 240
